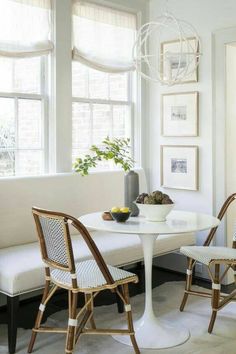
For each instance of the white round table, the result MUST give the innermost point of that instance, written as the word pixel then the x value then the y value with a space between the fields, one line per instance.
pixel 151 331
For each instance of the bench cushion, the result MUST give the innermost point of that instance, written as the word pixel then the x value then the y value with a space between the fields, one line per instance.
pixel 21 267
pixel 68 193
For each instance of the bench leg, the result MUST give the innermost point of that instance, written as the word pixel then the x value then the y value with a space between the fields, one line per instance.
pixel 120 304
pixel 12 309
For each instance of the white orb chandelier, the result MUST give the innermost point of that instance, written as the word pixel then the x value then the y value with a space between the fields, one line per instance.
pixel 159 59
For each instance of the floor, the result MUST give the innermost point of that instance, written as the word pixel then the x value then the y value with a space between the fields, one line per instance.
pixel 167 295
pixel 29 308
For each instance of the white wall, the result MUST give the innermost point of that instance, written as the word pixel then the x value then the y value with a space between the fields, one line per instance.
pixel 206 17
pixel 141 109
pixel 231 142
pixel 230 131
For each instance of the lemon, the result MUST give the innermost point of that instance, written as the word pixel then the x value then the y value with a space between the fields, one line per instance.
pixel 124 210
pixel 115 209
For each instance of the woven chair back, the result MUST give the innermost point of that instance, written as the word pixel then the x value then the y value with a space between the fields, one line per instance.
pixel 220 216
pixel 55 241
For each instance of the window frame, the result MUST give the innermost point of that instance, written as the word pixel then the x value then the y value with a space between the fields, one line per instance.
pixel 43 98
pixel 130 102
pixel 133 94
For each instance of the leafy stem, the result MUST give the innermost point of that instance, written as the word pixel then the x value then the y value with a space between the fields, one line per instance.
pixel 116 149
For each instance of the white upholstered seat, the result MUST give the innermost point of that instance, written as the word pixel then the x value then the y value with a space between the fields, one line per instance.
pixel 207 254
pixel 28 275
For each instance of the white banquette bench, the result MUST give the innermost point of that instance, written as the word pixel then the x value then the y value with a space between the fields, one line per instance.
pixel 21 268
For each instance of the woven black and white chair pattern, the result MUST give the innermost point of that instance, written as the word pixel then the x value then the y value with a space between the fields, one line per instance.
pixel 213 258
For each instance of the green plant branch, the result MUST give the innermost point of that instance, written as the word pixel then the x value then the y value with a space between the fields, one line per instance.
pixel 116 149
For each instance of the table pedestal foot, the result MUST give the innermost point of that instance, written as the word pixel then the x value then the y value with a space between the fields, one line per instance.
pixel 154 333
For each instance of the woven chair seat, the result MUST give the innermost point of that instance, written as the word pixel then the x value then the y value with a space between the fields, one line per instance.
pixel 208 254
pixel 89 275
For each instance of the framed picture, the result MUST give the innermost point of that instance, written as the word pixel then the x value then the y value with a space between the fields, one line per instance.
pixel 179 167
pixel 171 65
pixel 179 114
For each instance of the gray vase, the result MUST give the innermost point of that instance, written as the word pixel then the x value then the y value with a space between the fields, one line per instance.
pixel 131 191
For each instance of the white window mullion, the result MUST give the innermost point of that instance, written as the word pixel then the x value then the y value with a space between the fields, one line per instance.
pixel 29 96
pixel 109 87
pixel 91 123
pixel 87 77
pixel 16 134
pixel 132 128
pixel 111 120
pixel 99 101
pixel 129 87
pixel 45 113
pixel 45 135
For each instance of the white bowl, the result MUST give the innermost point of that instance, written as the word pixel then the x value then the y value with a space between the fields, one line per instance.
pixel 155 212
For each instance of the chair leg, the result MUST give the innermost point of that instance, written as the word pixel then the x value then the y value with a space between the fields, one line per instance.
pixel 129 318
pixel 39 316
pixel 72 324
pixel 90 308
pixel 188 283
pixel 215 297
pixel 12 309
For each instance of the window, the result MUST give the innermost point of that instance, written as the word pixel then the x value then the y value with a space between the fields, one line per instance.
pixel 102 75
pixel 101 107
pixel 22 116
pixel 24 43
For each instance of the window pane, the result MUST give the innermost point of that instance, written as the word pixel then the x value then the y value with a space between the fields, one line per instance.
pixel 119 87
pixel 98 84
pixel 7 123
pixel 121 121
pixel 27 77
pixel 20 75
pixel 101 122
pixel 79 80
pixel 6 74
pixel 29 124
pixel 7 163
pixel 81 124
pixel 29 162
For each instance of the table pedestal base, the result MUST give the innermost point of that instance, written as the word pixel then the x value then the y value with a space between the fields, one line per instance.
pixel 153 333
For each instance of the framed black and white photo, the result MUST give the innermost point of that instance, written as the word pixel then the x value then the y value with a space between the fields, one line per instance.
pixel 179 167
pixel 179 114
pixel 173 65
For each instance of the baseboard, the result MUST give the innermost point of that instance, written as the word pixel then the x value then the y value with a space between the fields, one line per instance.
pixel 172 261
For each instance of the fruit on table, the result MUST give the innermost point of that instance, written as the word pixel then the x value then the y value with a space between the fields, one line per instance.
pixel 115 209
pixel 124 210
pixel 156 197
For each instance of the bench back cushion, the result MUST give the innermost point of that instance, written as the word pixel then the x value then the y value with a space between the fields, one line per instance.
pixel 68 193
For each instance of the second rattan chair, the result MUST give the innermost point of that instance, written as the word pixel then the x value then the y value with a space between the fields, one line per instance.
pixel 87 277
pixel 213 258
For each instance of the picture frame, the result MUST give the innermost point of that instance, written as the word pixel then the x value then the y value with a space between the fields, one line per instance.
pixel 179 167
pixel 169 67
pixel 179 114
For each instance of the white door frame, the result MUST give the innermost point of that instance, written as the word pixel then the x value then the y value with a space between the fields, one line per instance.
pixel 219 40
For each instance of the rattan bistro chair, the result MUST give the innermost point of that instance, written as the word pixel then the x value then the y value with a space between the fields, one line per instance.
pixel 87 277
pixel 213 258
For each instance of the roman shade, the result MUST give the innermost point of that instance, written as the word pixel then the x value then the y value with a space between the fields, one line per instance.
pixel 103 38
pixel 25 27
